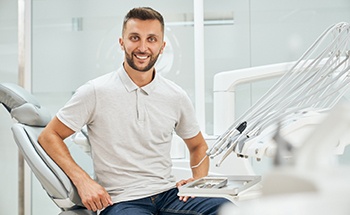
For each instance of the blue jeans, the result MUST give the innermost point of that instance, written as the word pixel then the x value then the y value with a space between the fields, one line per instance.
pixel 167 203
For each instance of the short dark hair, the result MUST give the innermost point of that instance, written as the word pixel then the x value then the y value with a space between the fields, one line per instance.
pixel 143 13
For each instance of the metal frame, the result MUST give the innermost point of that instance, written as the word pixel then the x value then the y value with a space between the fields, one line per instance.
pixel 24 80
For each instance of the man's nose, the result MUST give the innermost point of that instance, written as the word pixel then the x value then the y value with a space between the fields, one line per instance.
pixel 143 46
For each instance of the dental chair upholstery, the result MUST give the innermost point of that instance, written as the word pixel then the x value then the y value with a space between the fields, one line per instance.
pixel 31 119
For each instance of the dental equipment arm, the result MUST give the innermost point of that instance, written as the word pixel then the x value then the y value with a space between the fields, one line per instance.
pixel 315 83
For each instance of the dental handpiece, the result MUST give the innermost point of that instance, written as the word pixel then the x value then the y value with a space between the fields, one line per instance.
pixel 226 140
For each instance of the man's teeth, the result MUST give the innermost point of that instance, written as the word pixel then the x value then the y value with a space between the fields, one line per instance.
pixel 142 57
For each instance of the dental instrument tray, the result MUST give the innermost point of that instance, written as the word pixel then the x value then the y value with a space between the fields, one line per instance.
pixel 211 185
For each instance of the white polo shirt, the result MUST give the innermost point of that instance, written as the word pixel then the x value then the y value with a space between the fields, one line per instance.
pixel 130 131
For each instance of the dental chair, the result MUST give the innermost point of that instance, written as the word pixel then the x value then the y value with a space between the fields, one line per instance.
pixel 31 118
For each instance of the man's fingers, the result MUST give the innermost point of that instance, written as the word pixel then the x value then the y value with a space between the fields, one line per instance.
pixel 183 182
pixel 92 206
pixel 98 203
pixel 106 202
pixel 180 183
pixel 185 198
pixel 87 204
pixel 109 201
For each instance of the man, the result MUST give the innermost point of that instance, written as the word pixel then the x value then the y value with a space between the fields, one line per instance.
pixel 131 115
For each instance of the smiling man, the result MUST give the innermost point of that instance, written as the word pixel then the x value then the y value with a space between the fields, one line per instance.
pixel 131 116
pixel 141 46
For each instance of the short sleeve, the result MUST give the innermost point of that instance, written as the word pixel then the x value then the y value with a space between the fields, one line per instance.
pixel 79 110
pixel 187 126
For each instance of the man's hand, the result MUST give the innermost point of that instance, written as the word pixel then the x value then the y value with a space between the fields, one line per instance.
pixel 93 196
pixel 181 183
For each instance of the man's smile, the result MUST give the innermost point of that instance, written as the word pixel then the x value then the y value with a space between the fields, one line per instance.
pixel 141 57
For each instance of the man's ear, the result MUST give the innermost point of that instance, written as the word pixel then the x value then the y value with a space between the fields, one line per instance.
pixel 121 43
pixel 162 49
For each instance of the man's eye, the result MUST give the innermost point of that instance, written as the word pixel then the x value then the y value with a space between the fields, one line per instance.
pixel 134 38
pixel 152 39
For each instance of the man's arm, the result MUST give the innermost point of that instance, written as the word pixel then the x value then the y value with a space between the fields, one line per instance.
pixel 197 148
pixel 93 196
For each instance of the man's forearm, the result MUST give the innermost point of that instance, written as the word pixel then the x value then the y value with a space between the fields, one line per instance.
pixel 196 158
pixel 59 153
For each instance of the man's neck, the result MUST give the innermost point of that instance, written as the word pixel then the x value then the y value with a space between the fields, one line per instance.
pixel 140 78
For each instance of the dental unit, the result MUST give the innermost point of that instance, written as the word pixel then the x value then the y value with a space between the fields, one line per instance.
pixel 279 123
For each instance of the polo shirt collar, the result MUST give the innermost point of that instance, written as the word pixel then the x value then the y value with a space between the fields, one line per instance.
pixel 131 86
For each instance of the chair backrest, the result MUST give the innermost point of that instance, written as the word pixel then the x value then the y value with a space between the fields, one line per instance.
pixel 31 119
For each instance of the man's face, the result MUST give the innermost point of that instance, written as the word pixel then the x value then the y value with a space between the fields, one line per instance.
pixel 142 42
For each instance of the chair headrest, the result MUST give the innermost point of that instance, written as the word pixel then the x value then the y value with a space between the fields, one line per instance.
pixel 23 106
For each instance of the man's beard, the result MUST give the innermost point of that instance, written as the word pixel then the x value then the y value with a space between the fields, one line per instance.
pixel 130 61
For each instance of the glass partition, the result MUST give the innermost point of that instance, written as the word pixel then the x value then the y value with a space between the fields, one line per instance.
pixel 263 32
pixel 8 73
pixel 75 41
